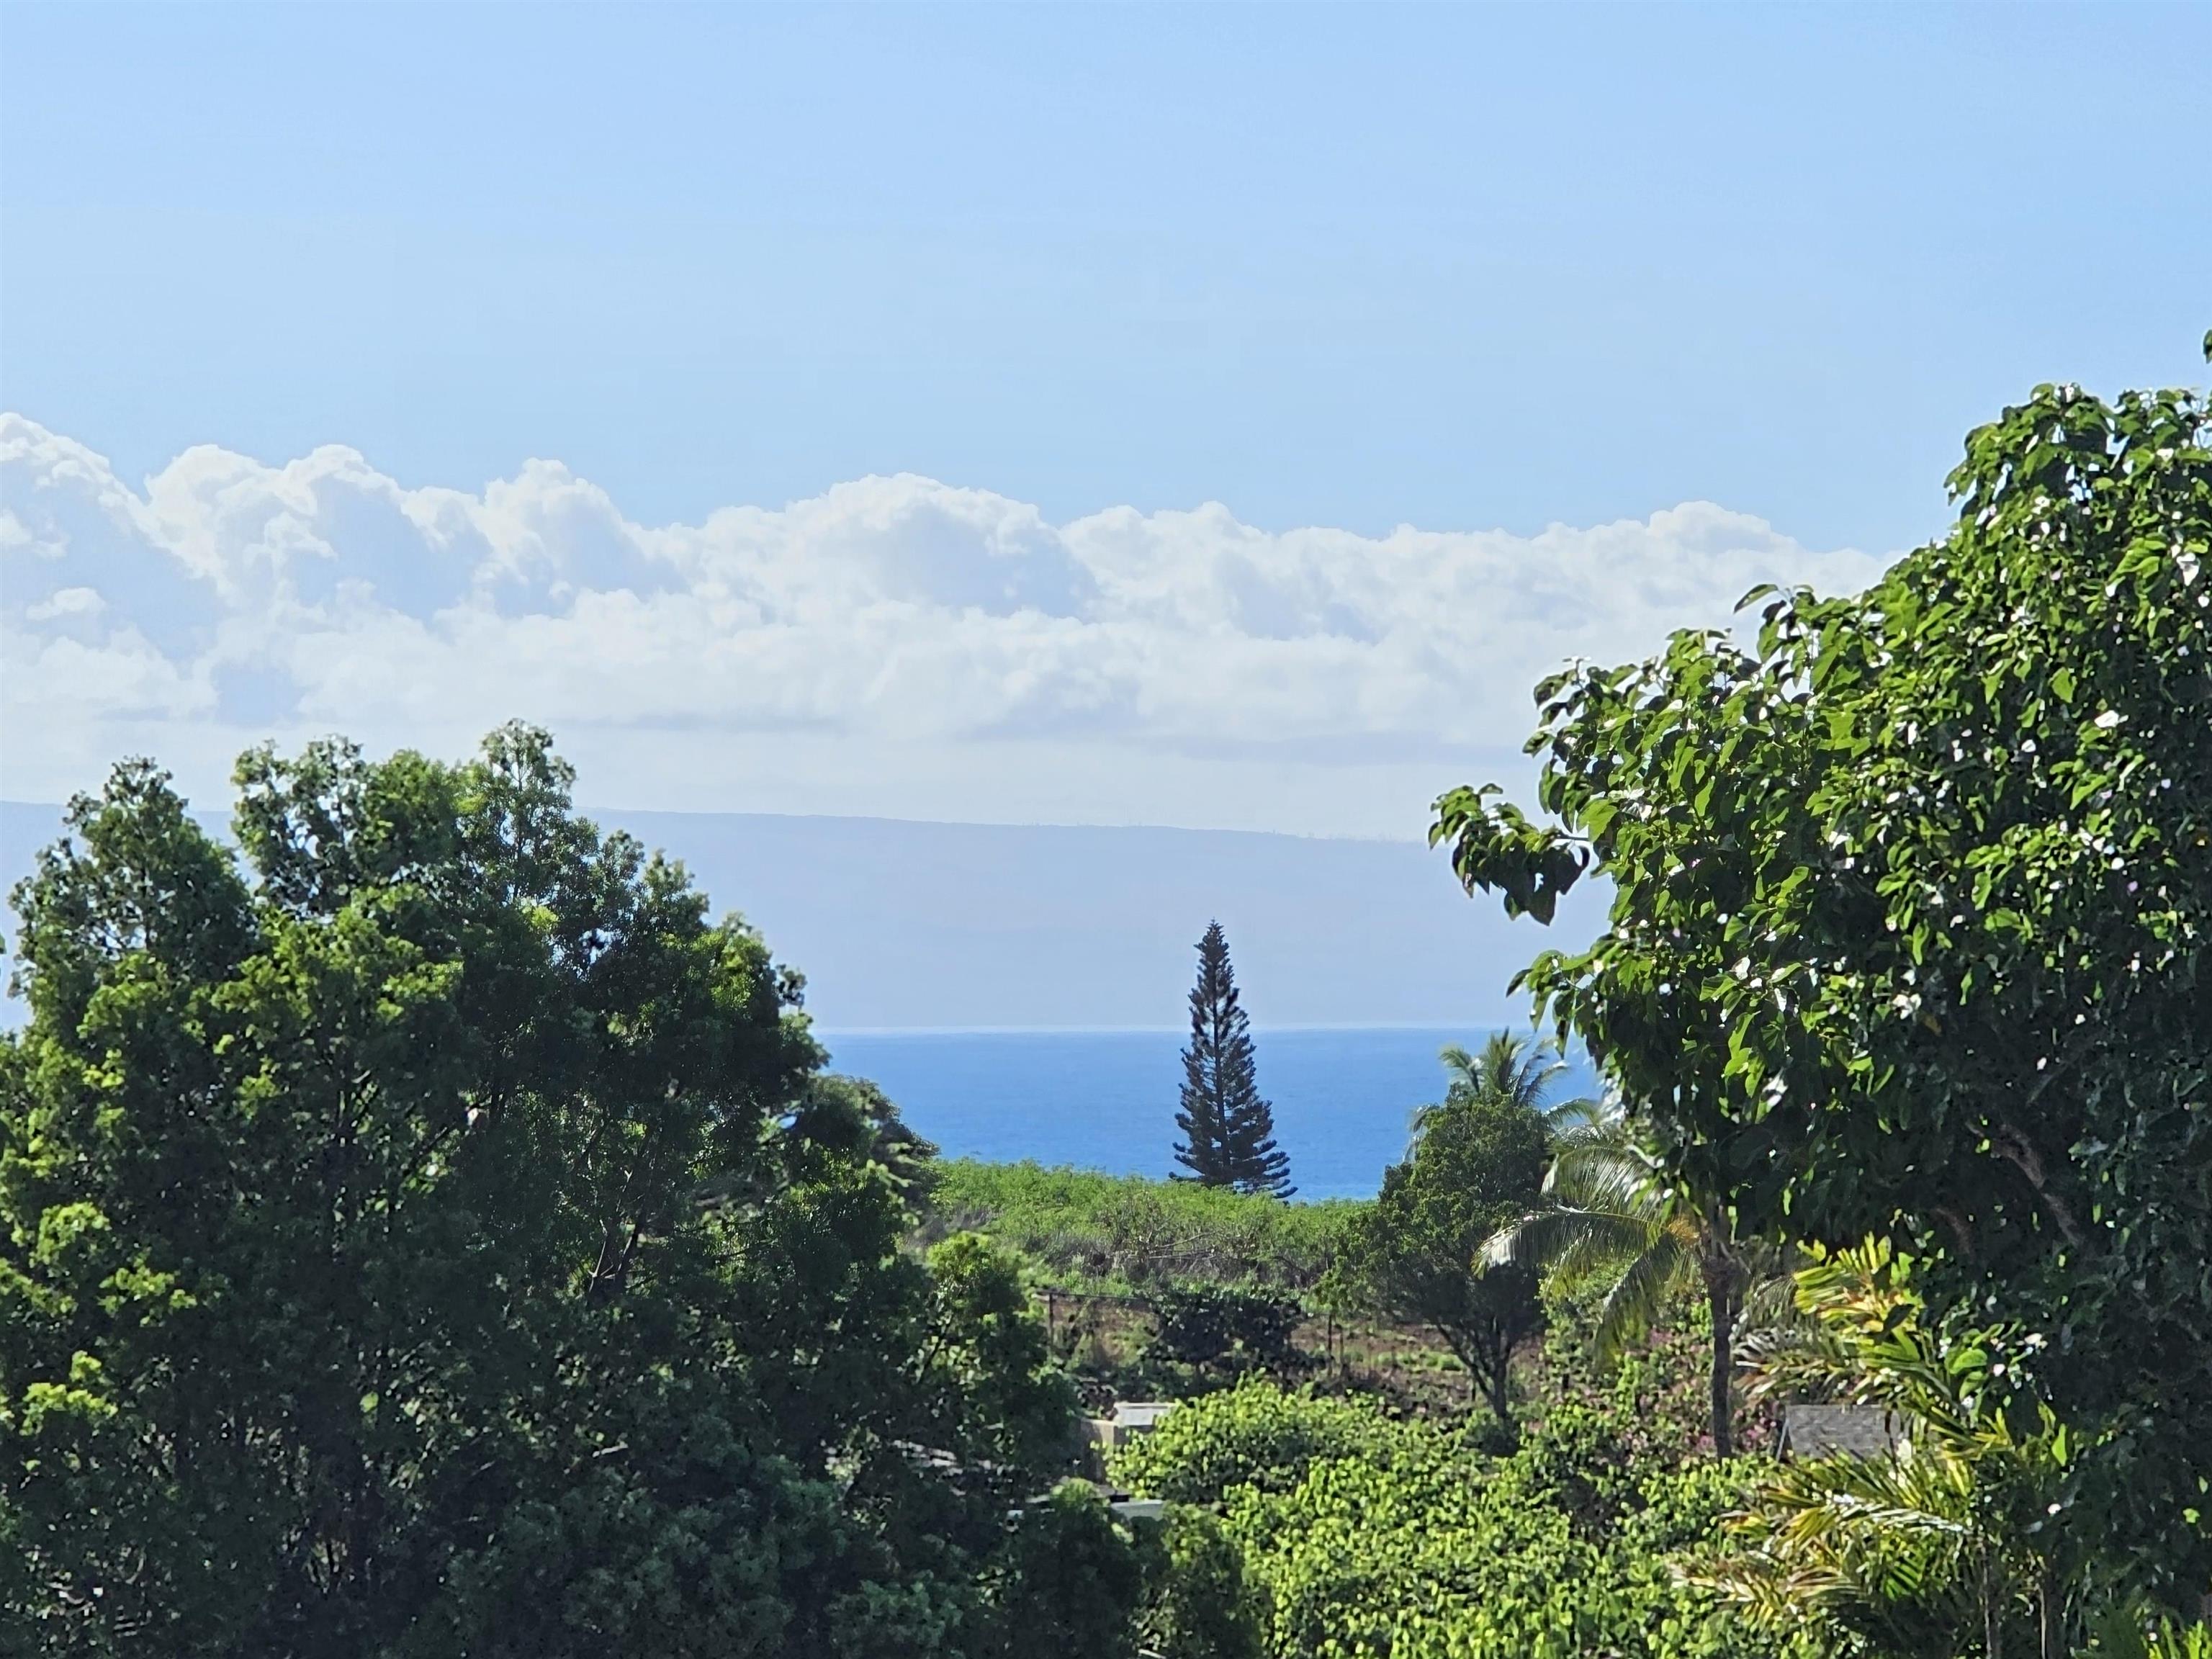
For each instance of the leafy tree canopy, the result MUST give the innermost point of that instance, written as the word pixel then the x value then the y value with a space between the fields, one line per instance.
pixel 429 1234
pixel 1477 1164
pixel 1910 923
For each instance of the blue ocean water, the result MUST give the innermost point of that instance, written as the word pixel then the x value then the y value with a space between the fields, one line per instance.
pixel 1106 1100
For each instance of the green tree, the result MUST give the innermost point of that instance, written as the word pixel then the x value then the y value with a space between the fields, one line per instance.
pixel 1073 1580
pixel 1228 1129
pixel 1912 921
pixel 1202 1606
pixel 1255 1434
pixel 1221 1327
pixel 1615 1218
pixel 1477 1162
pixel 429 1234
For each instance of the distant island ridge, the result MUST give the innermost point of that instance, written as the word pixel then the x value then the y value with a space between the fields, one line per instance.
pixel 1020 990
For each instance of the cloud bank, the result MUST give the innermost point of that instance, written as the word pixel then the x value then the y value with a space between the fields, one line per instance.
pixel 894 646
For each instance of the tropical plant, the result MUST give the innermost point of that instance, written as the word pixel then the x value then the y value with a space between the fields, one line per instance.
pixel 1508 1069
pixel 1958 1540
pixel 1911 918
pixel 1615 1219
pixel 1477 1159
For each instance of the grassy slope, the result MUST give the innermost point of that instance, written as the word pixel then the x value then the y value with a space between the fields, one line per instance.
pixel 1104 1231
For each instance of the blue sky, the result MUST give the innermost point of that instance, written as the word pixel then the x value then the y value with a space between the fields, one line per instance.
pixel 1339 270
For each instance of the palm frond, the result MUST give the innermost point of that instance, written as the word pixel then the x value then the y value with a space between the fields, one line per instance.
pixel 1579 1117
pixel 1458 1063
pixel 1509 1069
pixel 1638 1297
pixel 1796 1361
pixel 1881 1546
pixel 1593 1178
pixel 1572 1242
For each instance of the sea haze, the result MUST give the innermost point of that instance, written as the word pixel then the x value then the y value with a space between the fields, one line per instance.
pixel 1106 1100
pixel 1020 990
pixel 900 925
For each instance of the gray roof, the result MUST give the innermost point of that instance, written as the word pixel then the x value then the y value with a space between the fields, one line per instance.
pixel 1838 1431
pixel 1141 1414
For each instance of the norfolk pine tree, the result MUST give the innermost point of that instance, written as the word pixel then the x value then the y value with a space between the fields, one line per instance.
pixel 1229 1131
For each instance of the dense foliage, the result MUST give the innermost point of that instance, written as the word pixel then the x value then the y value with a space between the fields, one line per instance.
pixel 429 1235
pixel 1911 930
pixel 1084 1229
pixel 1359 1536
pixel 1218 1332
pixel 1203 1606
pixel 1955 1545
pixel 1477 1164
pixel 1615 1220
pixel 1257 1434
pixel 1228 1129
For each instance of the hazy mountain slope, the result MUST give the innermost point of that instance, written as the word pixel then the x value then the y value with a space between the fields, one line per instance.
pixel 906 924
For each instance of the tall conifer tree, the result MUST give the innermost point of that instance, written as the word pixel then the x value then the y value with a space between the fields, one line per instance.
pixel 1229 1131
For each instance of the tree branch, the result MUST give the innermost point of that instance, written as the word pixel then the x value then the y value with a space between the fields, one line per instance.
pixel 2018 1151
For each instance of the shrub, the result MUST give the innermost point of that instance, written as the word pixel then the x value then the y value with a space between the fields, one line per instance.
pixel 1076 1583
pixel 1216 1328
pixel 1203 1606
pixel 1357 1535
pixel 1443 1551
pixel 1256 1434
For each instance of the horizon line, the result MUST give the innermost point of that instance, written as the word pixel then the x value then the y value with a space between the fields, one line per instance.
pixel 1258 1029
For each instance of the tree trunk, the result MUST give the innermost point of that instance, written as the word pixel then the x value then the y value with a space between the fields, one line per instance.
pixel 2053 1609
pixel 1501 1396
pixel 1489 1372
pixel 1993 1611
pixel 1720 1297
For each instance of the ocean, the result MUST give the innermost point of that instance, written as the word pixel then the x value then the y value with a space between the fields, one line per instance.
pixel 1106 1100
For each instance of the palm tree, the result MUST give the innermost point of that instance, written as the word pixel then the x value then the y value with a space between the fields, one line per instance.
pixel 1618 1220
pixel 1509 1070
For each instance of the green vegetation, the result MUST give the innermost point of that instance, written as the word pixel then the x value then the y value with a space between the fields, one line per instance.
pixel 1614 1216
pixel 431 1235
pixel 1948 1543
pixel 1253 1435
pixel 1203 1606
pixel 1911 929
pixel 1416 1254
pixel 424 1232
pixel 1229 1131
pixel 1087 1230
pixel 1359 1534
pixel 1206 1334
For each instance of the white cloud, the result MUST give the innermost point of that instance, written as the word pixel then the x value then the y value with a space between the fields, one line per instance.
pixel 895 645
